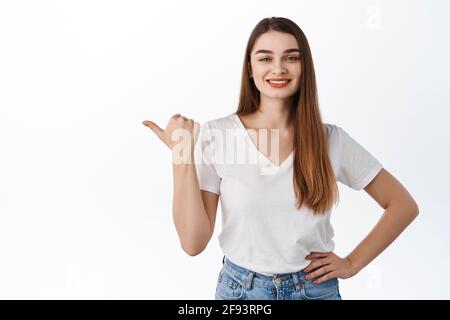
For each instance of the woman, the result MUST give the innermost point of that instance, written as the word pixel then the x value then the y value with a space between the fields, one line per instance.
pixel 276 233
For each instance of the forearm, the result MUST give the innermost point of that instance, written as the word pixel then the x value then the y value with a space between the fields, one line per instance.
pixel 191 220
pixel 395 219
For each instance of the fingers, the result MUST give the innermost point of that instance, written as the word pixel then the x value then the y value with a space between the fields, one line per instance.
pixel 196 127
pixel 315 255
pixel 179 115
pixel 319 272
pixel 176 121
pixel 155 128
pixel 317 264
pixel 326 277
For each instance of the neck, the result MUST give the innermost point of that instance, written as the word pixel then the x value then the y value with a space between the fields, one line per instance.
pixel 274 113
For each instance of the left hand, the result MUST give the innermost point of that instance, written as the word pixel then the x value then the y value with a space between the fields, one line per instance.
pixel 328 265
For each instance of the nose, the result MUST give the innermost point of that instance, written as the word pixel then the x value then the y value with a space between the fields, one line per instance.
pixel 279 68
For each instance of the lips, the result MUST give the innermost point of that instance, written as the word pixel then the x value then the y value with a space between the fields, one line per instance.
pixel 278 83
pixel 279 79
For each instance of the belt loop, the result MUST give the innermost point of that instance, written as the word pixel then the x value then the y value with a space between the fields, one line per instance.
pixel 223 260
pixel 296 281
pixel 249 279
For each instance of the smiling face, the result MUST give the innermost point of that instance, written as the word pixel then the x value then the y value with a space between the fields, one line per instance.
pixel 275 55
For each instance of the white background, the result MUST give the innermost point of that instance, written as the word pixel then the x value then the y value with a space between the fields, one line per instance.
pixel 86 189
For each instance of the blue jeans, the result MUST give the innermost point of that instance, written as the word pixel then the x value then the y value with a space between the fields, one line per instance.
pixel 238 283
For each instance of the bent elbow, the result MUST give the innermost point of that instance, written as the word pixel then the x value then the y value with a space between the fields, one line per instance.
pixel 414 211
pixel 417 211
pixel 192 250
pixel 192 253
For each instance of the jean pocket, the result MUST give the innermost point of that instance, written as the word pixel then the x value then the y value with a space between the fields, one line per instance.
pixel 228 287
pixel 322 291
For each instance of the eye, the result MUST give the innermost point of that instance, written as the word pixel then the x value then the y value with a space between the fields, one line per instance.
pixel 293 58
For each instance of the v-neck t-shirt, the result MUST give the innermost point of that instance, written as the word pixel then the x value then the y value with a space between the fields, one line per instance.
pixel 262 229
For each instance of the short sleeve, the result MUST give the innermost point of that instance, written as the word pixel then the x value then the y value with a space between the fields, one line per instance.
pixel 207 175
pixel 357 166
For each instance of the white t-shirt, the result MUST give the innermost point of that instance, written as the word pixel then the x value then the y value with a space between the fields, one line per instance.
pixel 262 230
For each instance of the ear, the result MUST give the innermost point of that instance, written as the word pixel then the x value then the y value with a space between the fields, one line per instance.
pixel 249 70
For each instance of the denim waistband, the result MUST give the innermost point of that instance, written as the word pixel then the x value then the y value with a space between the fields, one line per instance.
pixel 247 277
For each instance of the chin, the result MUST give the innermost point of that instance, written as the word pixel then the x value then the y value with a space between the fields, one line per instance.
pixel 280 95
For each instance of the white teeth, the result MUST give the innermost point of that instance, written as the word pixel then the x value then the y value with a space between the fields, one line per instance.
pixel 278 82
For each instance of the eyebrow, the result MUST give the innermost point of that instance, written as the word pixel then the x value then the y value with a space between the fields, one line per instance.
pixel 286 51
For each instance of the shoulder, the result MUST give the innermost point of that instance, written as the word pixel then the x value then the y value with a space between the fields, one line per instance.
pixel 333 131
pixel 223 122
pixel 335 136
pixel 331 127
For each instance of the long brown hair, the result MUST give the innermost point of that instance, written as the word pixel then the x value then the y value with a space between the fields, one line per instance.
pixel 314 181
